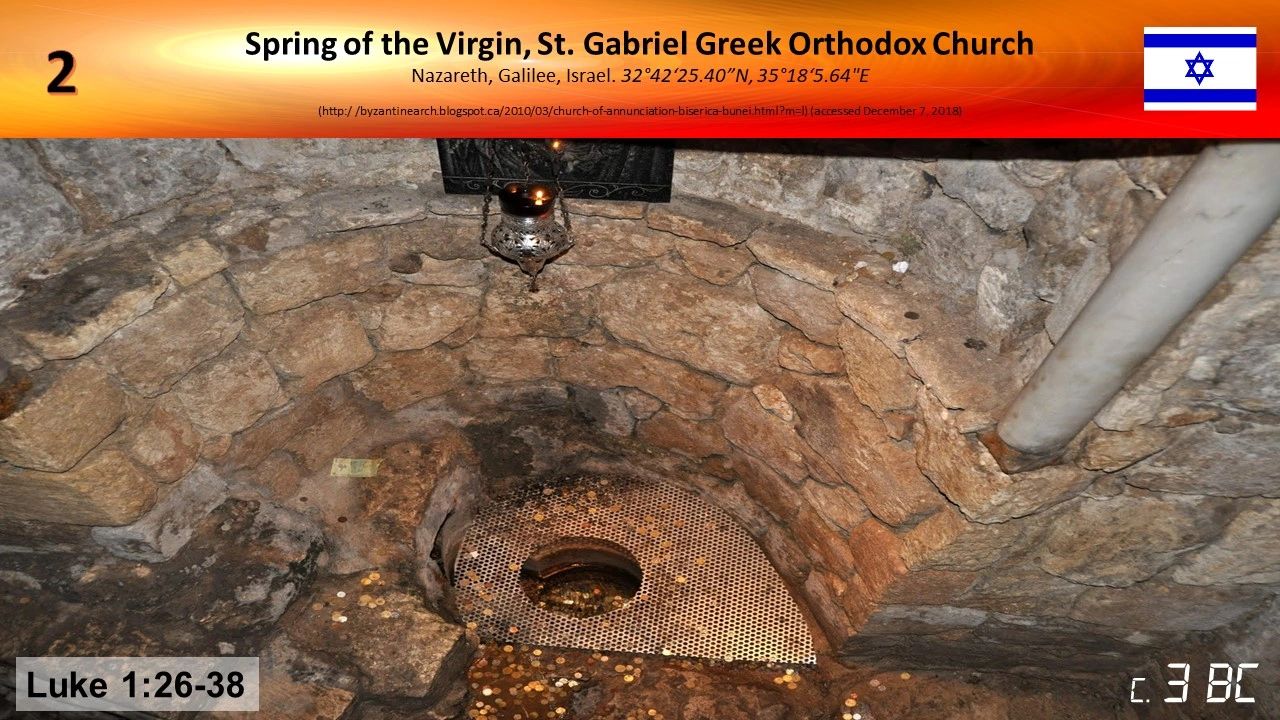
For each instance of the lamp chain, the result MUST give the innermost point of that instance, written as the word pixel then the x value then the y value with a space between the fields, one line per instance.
pixel 486 150
pixel 557 159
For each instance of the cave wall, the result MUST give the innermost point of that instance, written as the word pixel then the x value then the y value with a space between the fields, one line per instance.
pixel 232 315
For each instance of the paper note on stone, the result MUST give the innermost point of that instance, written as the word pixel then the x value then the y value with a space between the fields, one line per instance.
pixel 355 467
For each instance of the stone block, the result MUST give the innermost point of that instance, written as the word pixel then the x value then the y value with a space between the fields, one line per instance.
pixel 422 269
pixel 1023 590
pixel 558 309
pixel 163 442
pixel 106 488
pixel 69 314
pixel 699 219
pixel 616 243
pixel 1194 461
pixel 265 557
pixel 929 587
pixel 947 541
pixel 121 178
pixel 604 410
pixel 763 435
pixel 695 439
pixel 1004 302
pixel 819 593
pixel 922 620
pixel 1129 409
pixel 398 380
pixel 962 370
pixel 1129 538
pixel 838 505
pixel 168 525
pixel 877 556
pixel 399 647
pixel 954 243
pixel 348 210
pixel 192 261
pixel 55 417
pixel 1248 551
pixel 715 264
pixel 799 354
pixel 641 404
pixel 250 447
pixel 230 392
pixel 894 315
pixel 720 330
pixel 806 308
pixel 808 255
pixel 869 193
pixel 37 221
pixel 830 551
pixel 327 162
pixel 775 494
pixel 852 440
pixel 1167 607
pixel 988 190
pixel 608 366
pixel 314 343
pixel 423 315
pixel 880 379
pixel 509 359
pixel 317 445
pixel 1037 173
pixel 1111 451
pixel 275 478
pixel 180 333
pixel 295 276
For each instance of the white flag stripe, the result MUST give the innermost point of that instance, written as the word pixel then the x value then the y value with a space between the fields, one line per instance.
pixel 1199 30
pixel 1232 68
pixel 1199 106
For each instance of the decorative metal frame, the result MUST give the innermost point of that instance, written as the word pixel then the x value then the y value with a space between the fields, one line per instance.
pixel 592 169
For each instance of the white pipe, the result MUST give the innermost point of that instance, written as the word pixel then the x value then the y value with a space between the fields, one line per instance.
pixel 1228 198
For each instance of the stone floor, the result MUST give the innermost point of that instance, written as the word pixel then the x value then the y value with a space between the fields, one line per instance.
pixel 520 682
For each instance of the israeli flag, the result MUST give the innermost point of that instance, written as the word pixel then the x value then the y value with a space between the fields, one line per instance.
pixel 1200 68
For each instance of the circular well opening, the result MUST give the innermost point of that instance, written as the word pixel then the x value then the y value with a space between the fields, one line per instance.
pixel 581 577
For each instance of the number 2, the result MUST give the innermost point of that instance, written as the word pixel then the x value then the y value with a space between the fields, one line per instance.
pixel 68 65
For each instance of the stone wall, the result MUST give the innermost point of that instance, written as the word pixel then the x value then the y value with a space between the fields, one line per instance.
pixel 230 316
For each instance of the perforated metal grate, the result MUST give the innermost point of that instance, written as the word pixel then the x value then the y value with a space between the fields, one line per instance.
pixel 707 590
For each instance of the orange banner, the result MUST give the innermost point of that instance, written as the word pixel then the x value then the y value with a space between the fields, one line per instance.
pixel 386 68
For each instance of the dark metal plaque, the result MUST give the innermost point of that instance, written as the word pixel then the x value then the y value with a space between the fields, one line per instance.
pixel 596 169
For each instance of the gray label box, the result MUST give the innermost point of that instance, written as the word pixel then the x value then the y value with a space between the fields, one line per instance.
pixel 71 684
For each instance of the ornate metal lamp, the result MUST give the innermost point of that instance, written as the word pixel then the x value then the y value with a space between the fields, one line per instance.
pixel 527 232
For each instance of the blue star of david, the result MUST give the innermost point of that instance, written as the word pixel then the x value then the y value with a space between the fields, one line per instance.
pixel 1199 59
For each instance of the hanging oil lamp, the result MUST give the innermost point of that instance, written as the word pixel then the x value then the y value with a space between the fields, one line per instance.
pixel 527 233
